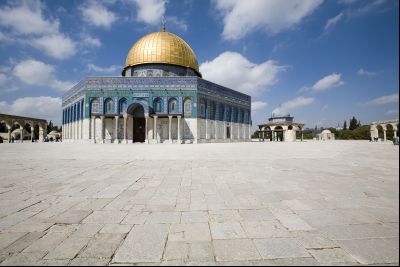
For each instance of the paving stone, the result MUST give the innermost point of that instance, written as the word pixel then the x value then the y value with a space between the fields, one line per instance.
pixel 7 239
pixel 264 229
pixel 293 222
pixel 235 250
pixel 221 216
pixel 144 243
pixel 227 230
pixel 105 217
pixel 47 242
pixel 68 249
pixel 331 255
pixel 87 230
pixel 22 243
pixel 256 215
pixel 372 251
pixel 136 217
pixel 89 262
pixel 189 232
pixel 194 216
pixel 72 216
pixel 53 262
pixel 274 248
pixel 22 259
pixel 313 239
pixel 287 262
pixel 116 228
pixel 102 246
pixel 164 217
pixel 29 227
pixel 358 231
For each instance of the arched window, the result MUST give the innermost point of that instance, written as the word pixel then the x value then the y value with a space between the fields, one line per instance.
pixel 95 105
pixel 122 105
pixel 108 106
pixel 157 105
pixel 202 108
pixel 173 105
pixel 187 107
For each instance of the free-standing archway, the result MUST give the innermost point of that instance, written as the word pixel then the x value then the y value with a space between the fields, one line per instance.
pixel 139 122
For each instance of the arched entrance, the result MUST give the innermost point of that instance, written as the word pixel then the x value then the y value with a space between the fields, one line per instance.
pixel 139 122
pixel 278 133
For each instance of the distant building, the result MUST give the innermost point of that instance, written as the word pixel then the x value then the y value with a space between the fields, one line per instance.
pixel 326 135
pixel 280 127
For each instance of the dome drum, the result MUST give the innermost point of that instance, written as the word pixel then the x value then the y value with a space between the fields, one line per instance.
pixel 157 70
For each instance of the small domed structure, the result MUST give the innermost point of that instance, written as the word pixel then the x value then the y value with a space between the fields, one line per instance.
pixel 326 135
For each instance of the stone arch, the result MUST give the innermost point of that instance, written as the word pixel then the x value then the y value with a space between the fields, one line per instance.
pixel 108 106
pixel 122 105
pixel 137 112
pixel 187 106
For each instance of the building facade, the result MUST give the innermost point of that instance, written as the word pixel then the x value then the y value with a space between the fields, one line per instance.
pixel 280 128
pixel 160 98
pixel 326 135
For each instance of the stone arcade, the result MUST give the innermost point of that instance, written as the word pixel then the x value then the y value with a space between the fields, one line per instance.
pixel 160 98
pixel 11 120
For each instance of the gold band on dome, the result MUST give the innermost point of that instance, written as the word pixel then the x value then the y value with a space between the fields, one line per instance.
pixel 164 48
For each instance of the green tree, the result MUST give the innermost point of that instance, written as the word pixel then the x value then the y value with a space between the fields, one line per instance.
pixel 353 124
pixel 345 125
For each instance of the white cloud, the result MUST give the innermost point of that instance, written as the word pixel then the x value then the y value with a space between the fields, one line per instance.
pixel 42 107
pixel 57 46
pixel 150 11
pixel 329 81
pixel 3 78
pixel 365 72
pixel 26 18
pixel 244 16
pixel 294 103
pixel 180 24
pixel 37 73
pixel 96 14
pixel 383 100
pixel 233 70
pixel 257 105
pixel 91 41
pixel 333 21
pixel 392 112
pixel 110 69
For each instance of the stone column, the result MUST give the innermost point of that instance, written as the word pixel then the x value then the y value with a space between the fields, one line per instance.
pixel 32 133
pixel 22 133
pixel 9 133
pixel 179 129
pixel 169 129
pixel 384 134
pixel 102 129
pixel 155 129
pixel 94 129
pixel 125 122
pixel 395 131
pixel 81 133
pixel 302 137
pixel 116 130
pixel 231 126
pixel 146 139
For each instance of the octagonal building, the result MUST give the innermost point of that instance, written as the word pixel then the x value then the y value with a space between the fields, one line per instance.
pixel 160 98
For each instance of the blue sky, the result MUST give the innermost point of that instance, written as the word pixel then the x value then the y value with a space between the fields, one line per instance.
pixel 322 61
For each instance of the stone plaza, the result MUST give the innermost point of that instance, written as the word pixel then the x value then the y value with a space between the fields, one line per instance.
pixel 252 203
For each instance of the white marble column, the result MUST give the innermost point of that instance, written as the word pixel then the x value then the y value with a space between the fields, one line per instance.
pixel 81 133
pixel 32 133
pixel 146 139
pixel 207 134
pixel 384 134
pixel 102 129
pixel 394 131
pixel 94 129
pixel 179 129
pixel 169 129
pixel 155 129
pixel 9 133
pixel 116 130
pixel 224 130
pixel 125 126
pixel 22 133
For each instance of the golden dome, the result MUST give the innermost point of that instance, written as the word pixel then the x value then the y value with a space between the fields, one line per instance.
pixel 162 47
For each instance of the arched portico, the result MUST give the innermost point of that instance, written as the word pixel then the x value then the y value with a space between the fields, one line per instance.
pixel 139 122
pixel 18 122
pixel 378 129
